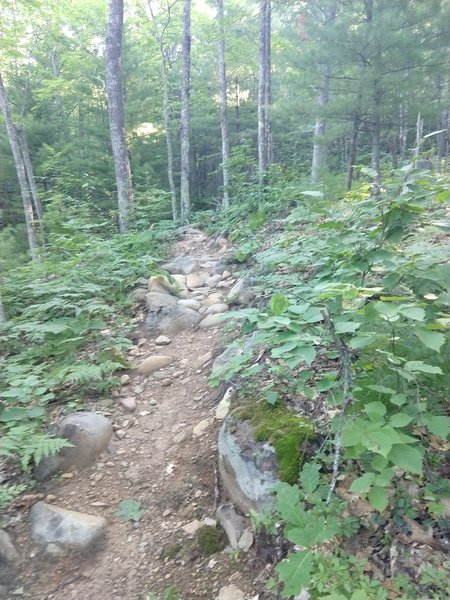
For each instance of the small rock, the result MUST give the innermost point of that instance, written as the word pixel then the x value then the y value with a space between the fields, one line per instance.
pixel 230 592
pixel 182 435
pixel 197 363
pixel 54 549
pixel 223 408
pixel 138 389
pixel 216 309
pixel 125 379
pixel 246 540
pixel 163 340
pixel 71 529
pixel 211 321
pixel 226 274
pixel 213 281
pixel 233 523
pixel 129 403
pixel 196 280
pixel 192 527
pixel 182 265
pixel 8 552
pixel 190 303
pixel 18 591
pixel 153 363
pixel 209 522
pixel 201 428
pixel 120 433
pixel 212 299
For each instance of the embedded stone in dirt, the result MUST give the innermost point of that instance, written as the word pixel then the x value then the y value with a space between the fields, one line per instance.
pixel 8 552
pixel 162 285
pixel 192 527
pixel 213 280
pixel 233 524
pixel 51 524
pixel 216 309
pixel 129 403
pixel 230 592
pixel 190 303
pixel 163 340
pixel 211 321
pixel 201 428
pixel 182 265
pixel 125 379
pixel 201 360
pixel 214 298
pixel 223 408
pixel 89 434
pixel 196 280
pixel 157 300
pixel 153 363
pixel 172 319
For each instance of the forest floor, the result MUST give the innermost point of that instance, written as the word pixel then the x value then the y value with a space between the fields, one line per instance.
pixel 155 460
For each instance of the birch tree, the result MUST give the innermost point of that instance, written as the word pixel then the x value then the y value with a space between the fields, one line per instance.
pixel 223 105
pixel 185 113
pixel 264 87
pixel 21 172
pixel 115 93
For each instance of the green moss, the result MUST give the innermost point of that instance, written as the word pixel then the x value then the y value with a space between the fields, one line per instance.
pixel 286 432
pixel 211 539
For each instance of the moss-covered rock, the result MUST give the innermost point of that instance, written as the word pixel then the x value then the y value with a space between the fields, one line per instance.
pixel 211 539
pixel 285 430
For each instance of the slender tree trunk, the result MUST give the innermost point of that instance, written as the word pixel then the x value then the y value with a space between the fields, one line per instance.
pixel 58 100
pixel 403 132
pixel 237 96
pixel 30 175
pixel 185 116
pixel 444 137
pixel 114 90
pixel 21 174
pixel 263 89
pixel 353 151
pixel 169 143
pixel 223 106
pixel 3 317
pixel 419 135
pixel 319 149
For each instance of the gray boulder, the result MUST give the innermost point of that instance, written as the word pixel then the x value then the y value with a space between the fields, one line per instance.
pixel 172 319
pixel 8 552
pixel 182 265
pixel 248 468
pixel 156 300
pixel 64 529
pixel 89 434
pixel 138 295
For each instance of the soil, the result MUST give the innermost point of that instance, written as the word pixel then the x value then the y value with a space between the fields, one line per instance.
pixel 174 480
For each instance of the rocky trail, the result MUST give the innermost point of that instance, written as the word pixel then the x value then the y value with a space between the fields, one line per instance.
pixel 162 455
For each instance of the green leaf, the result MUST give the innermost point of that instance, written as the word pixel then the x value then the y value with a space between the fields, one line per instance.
pixel 129 510
pixel 431 339
pixel 295 572
pixel 378 498
pixel 407 458
pixel 369 171
pixel 381 389
pixel 312 193
pixel 306 353
pixel 272 398
pixel 400 420
pixel 421 367
pixel 398 399
pixel 375 410
pixel 279 303
pixel 362 484
pixel 438 425
pixel 347 327
pixel 362 340
pixel 310 477
pixel 286 348
pixel 386 309
pixel 288 503
pixel 412 312
pixel 312 315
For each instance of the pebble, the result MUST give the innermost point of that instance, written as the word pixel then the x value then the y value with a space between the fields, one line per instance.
pixel 163 340
pixel 128 403
pixel 125 379
pixel 138 389
pixel 192 527
pixel 120 433
pixel 201 428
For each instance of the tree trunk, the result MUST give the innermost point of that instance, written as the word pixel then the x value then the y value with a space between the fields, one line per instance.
pixel 58 100
pixel 223 106
pixel 237 97
pixel 168 130
pixel 444 136
pixel 185 116
pixel 30 175
pixel 114 90
pixel 403 133
pixel 21 174
pixel 353 151
pixel 263 89
pixel 3 317
pixel 319 149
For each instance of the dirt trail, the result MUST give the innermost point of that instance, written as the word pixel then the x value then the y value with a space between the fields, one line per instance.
pixel 173 479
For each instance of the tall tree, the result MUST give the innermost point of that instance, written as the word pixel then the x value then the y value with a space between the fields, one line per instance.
pixel 115 93
pixel 20 170
pixel 223 105
pixel 319 148
pixel 185 113
pixel 264 87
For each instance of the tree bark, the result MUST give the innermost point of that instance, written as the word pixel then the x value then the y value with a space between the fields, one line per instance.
pixel 185 116
pixel 353 151
pixel 30 176
pixel 3 317
pixel 319 149
pixel 21 173
pixel 114 91
pixel 264 89
pixel 223 106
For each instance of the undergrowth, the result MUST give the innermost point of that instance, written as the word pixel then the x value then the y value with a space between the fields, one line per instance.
pixel 357 330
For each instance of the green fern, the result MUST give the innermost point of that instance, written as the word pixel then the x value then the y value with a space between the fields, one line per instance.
pixel 24 442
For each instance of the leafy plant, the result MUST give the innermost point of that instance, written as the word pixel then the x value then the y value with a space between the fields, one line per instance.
pixel 129 510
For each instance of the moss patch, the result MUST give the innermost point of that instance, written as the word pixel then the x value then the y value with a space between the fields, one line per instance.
pixel 211 539
pixel 283 429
